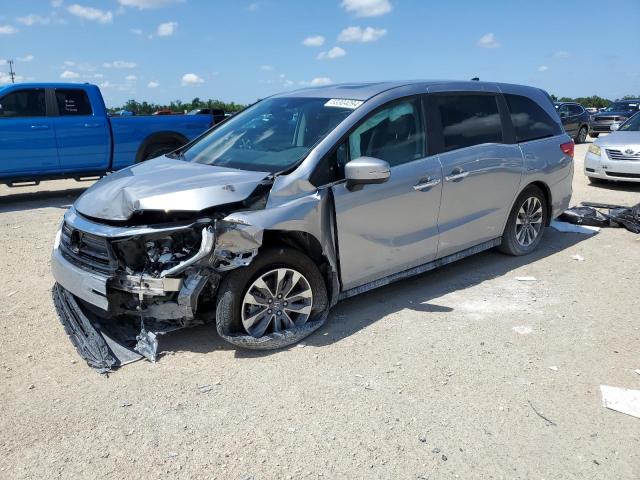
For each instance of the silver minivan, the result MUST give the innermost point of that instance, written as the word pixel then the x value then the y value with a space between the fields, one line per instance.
pixel 303 199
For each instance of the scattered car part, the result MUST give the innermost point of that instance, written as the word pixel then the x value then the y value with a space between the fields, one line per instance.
pixel 604 215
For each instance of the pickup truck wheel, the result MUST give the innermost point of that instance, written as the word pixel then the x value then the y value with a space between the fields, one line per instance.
pixel 594 135
pixel 275 301
pixel 526 223
pixel 582 135
pixel 156 150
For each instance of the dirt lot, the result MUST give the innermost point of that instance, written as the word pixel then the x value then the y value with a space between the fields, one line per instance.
pixel 437 377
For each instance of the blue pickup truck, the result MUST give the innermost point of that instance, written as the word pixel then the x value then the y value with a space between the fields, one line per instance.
pixel 61 130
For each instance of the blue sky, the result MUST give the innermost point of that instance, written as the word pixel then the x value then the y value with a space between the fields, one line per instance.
pixel 237 50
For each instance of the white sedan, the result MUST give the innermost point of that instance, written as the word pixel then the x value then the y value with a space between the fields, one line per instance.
pixel 616 156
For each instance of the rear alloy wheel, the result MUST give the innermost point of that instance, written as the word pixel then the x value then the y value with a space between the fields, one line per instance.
pixel 582 135
pixel 526 223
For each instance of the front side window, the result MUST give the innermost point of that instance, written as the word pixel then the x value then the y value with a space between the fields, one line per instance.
pixel 24 103
pixel 393 134
pixel 468 120
pixel 270 136
pixel 530 120
pixel 73 102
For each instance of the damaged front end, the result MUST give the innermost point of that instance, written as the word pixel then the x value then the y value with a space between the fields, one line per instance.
pixel 118 288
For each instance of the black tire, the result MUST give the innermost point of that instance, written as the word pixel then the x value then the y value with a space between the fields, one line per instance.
pixel 156 150
pixel 594 135
pixel 582 134
pixel 510 244
pixel 235 284
pixel 596 181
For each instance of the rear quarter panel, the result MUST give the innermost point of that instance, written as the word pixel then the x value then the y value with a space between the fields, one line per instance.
pixel 130 132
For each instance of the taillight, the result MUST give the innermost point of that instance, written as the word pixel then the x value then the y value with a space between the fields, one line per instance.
pixel 567 148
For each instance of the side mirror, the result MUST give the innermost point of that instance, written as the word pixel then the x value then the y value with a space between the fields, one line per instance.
pixel 614 127
pixel 365 170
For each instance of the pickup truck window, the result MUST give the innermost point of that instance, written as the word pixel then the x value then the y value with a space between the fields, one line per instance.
pixel 270 136
pixel 23 103
pixel 73 102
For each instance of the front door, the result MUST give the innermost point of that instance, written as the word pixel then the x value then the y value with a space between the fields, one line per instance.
pixel 481 174
pixel 390 227
pixel 82 135
pixel 27 137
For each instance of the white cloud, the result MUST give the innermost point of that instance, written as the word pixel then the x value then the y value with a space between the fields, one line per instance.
pixel 191 79
pixel 131 78
pixel 106 84
pixel 5 78
pixel 119 64
pixel 98 75
pixel 488 40
pixel 56 3
pixel 136 31
pixel 359 34
pixel 335 52
pixel 313 41
pixel 266 68
pixel 32 19
pixel 543 68
pixel 561 54
pixel 153 84
pixel 3 61
pixel 317 82
pixel 26 58
pixel 253 7
pixel 167 29
pixel 69 75
pixel 142 4
pixel 8 30
pixel 367 8
pixel 89 13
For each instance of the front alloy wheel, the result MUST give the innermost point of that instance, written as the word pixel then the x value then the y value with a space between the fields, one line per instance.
pixel 278 300
pixel 529 221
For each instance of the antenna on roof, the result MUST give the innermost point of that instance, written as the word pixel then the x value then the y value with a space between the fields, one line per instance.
pixel 12 74
pixel 475 79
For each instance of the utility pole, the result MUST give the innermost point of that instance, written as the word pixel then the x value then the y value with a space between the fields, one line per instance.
pixel 12 74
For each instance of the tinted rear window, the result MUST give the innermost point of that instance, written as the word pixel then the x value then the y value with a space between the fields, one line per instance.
pixel 468 120
pixel 73 102
pixel 529 119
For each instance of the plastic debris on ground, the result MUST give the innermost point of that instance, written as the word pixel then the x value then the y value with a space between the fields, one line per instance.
pixel 578 257
pixel 604 215
pixel 526 279
pixel 570 228
pixel 621 400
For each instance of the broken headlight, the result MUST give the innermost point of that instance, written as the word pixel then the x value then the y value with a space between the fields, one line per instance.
pixel 153 254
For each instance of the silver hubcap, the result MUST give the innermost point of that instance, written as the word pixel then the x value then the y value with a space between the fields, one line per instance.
pixel 529 221
pixel 277 300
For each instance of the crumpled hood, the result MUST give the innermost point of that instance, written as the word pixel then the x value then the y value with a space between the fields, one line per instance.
pixel 166 184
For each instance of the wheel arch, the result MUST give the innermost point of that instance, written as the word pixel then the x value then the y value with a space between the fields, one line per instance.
pixel 165 137
pixel 309 245
pixel 547 197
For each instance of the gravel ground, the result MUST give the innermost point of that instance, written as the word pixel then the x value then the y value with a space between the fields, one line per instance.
pixel 464 372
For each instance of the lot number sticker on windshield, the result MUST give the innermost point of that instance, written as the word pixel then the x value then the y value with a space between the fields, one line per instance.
pixel 343 103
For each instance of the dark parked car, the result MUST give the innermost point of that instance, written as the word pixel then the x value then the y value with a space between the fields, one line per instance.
pixel 575 120
pixel 617 112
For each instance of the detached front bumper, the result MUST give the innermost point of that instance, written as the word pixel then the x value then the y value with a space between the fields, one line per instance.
pixel 601 166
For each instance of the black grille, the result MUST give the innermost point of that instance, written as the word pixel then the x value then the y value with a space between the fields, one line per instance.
pixel 87 251
pixel 623 175
pixel 605 119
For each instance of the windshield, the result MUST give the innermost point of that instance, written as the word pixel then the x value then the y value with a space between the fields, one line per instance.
pixel 271 135
pixel 622 107
pixel 631 125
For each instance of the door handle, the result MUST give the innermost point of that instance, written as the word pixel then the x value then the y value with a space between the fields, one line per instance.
pixel 456 175
pixel 91 125
pixel 426 183
pixel 39 127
